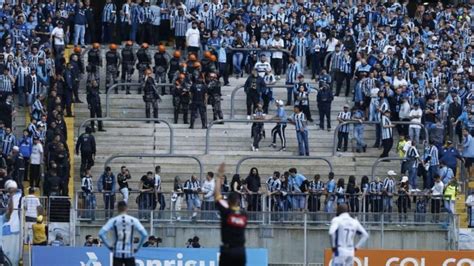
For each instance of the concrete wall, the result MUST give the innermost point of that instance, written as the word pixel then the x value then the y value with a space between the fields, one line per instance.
pixel 286 244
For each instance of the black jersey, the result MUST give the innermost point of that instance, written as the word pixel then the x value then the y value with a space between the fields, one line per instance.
pixel 233 223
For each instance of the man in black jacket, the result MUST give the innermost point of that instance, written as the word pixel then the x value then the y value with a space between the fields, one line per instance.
pixel 86 144
pixel 324 99
pixel 93 103
pixel 150 96
pixel 253 87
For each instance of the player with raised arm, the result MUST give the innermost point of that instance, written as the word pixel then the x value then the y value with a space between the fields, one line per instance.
pixel 124 227
pixel 233 223
pixel 342 231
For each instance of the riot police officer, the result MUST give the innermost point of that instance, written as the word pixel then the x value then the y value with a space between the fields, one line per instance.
pixel 206 62
pixel 181 98
pixel 198 101
pixel 77 51
pixel 94 63
pixel 161 66
pixel 150 96
pixel 144 61
pixel 112 59
pixel 128 62
pixel 214 92
pixel 93 103
pixel 174 65
pixel 86 145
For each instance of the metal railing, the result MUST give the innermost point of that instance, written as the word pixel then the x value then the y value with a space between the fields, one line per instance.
pixel 379 160
pixel 145 155
pixel 278 157
pixel 336 130
pixel 279 207
pixel 234 92
pixel 259 50
pixel 125 84
pixel 239 121
pixel 171 149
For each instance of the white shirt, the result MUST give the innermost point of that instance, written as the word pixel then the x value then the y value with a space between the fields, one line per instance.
pixel 36 154
pixel 280 44
pixel 192 37
pixel 343 230
pixel 331 44
pixel 418 113
pixel 262 68
pixel 208 190
pixel 404 110
pixel 158 182
pixel 399 82
pixel 437 189
pixel 58 36
pixel 31 204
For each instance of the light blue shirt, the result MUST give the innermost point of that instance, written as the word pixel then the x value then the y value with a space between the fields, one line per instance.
pixel 331 186
pixel 281 114
pixel 296 182
pixel 222 57
pixel 468 145
pixel 124 228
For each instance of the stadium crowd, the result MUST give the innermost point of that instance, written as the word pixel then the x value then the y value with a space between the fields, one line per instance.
pixel 397 63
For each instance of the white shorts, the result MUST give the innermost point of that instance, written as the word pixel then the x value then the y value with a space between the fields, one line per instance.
pixel 343 261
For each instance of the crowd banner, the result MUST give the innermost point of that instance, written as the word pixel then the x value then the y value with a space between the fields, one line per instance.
pixel 95 256
pixel 385 257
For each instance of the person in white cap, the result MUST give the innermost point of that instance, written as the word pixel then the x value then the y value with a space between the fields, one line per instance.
pixel 388 190
pixel 280 127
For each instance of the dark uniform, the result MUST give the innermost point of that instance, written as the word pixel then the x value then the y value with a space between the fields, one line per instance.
pixel 86 144
pixel 94 63
pixel 253 88
pixel 173 68
pixel 150 96
pixel 93 102
pixel 181 99
pixel 128 62
pixel 198 102
pixel 77 70
pixel 144 62
pixel 112 59
pixel 215 94
pixel 233 223
pixel 161 67
pixel 324 100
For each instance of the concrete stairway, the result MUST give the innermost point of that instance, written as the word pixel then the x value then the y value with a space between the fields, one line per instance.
pixel 229 142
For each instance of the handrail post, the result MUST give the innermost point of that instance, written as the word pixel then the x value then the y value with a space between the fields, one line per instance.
pixel 379 160
pixel 232 96
pixel 146 155
pixel 208 136
pixel 278 157
pixel 241 121
pixel 234 92
pixel 334 141
pixel 171 130
pixel 129 84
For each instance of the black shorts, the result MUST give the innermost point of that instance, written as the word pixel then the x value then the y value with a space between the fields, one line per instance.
pixel 232 256
pixel 124 262
pixel 367 102
pixel 468 162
